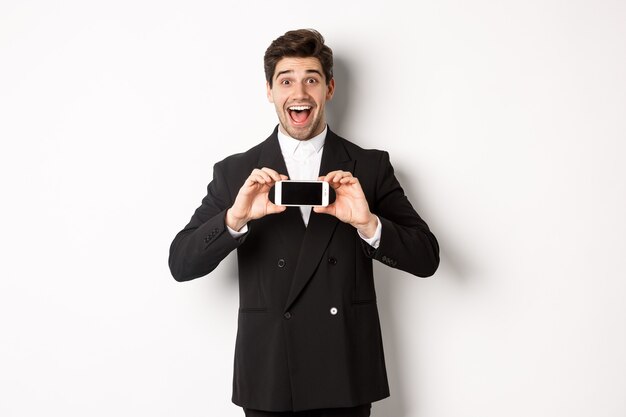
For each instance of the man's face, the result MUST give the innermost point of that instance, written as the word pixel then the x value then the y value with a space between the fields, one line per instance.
pixel 299 94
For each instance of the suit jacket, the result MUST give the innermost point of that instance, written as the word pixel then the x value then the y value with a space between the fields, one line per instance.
pixel 308 328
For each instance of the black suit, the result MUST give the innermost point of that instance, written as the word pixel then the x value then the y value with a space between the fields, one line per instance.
pixel 309 334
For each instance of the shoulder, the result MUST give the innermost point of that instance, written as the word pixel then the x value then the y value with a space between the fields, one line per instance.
pixel 242 158
pixel 243 161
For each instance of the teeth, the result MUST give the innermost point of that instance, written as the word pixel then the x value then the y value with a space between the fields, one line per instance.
pixel 300 108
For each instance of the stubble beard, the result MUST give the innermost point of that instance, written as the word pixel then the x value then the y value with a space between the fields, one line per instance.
pixel 300 134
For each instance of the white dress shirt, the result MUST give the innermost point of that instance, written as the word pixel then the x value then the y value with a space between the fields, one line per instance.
pixel 303 159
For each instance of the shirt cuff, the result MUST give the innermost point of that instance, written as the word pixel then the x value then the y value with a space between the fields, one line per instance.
pixel 373 241
pixel 237 234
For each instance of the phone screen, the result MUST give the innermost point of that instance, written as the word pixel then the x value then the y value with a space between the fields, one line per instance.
pixel 302 193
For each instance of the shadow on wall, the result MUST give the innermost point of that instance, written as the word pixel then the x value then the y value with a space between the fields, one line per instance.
pixel 460 268
pixel 339 105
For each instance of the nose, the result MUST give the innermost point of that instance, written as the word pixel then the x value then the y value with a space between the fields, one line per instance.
pixel 300 91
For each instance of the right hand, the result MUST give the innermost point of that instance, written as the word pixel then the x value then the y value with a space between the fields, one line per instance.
pixel 252 201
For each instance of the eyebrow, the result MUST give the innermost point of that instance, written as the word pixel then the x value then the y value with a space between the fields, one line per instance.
pixel 309 71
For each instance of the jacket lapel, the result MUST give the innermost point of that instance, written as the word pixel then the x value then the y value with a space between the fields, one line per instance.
pixel 321 226
pixel 271 156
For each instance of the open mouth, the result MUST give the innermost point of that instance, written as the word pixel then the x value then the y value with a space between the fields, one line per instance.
pixel 299 114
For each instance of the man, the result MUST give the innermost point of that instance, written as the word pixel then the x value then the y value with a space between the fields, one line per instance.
pixel 309 340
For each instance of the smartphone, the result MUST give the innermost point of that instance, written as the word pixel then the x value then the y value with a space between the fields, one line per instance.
pixel 301 193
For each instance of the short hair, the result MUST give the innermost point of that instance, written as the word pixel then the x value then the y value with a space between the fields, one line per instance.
pixel 301 43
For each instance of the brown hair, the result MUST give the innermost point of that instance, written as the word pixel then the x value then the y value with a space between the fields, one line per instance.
pixel 301 43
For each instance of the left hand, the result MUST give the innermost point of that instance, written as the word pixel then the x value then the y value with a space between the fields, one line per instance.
pixel 350 206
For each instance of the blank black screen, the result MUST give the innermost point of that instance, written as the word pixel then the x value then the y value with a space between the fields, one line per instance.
pixel 302 193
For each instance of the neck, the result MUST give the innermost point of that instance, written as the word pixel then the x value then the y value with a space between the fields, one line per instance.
pixel 311 136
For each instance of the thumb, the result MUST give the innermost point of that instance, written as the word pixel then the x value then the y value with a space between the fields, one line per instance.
pixel 273 208
pixel 324 210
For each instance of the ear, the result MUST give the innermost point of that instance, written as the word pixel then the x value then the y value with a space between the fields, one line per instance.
pixel 269 92
pixel 330 89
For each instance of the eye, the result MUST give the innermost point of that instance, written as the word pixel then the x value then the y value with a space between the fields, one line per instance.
pixel 285 82
pixel 311 81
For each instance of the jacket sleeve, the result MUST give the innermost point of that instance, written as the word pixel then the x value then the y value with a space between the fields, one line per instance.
pixel 204 242
pixel 406 241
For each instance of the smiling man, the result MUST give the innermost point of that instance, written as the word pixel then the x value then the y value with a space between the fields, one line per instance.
pixel 309 340
pixel 299 90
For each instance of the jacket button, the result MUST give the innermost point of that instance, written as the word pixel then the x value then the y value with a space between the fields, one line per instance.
pixel 333 311
pixel 281 263
pixel 332 260
pixel 287 315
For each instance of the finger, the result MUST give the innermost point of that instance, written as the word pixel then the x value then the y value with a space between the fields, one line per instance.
pixel 258 173
pixel 283 177
pixel 335 176
pixel 253 181
pixel 343 174
pixel 334 185
pixel 328 177
pixel 256 180
pixel 275 176
pixel 348 180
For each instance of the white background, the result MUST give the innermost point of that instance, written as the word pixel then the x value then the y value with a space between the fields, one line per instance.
pixel 505 121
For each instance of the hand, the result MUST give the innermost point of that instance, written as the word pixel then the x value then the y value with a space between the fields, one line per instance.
pixel 252 201
pixel 350 205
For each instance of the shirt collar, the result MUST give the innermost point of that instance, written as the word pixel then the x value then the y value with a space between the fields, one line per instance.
pixel 288 145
